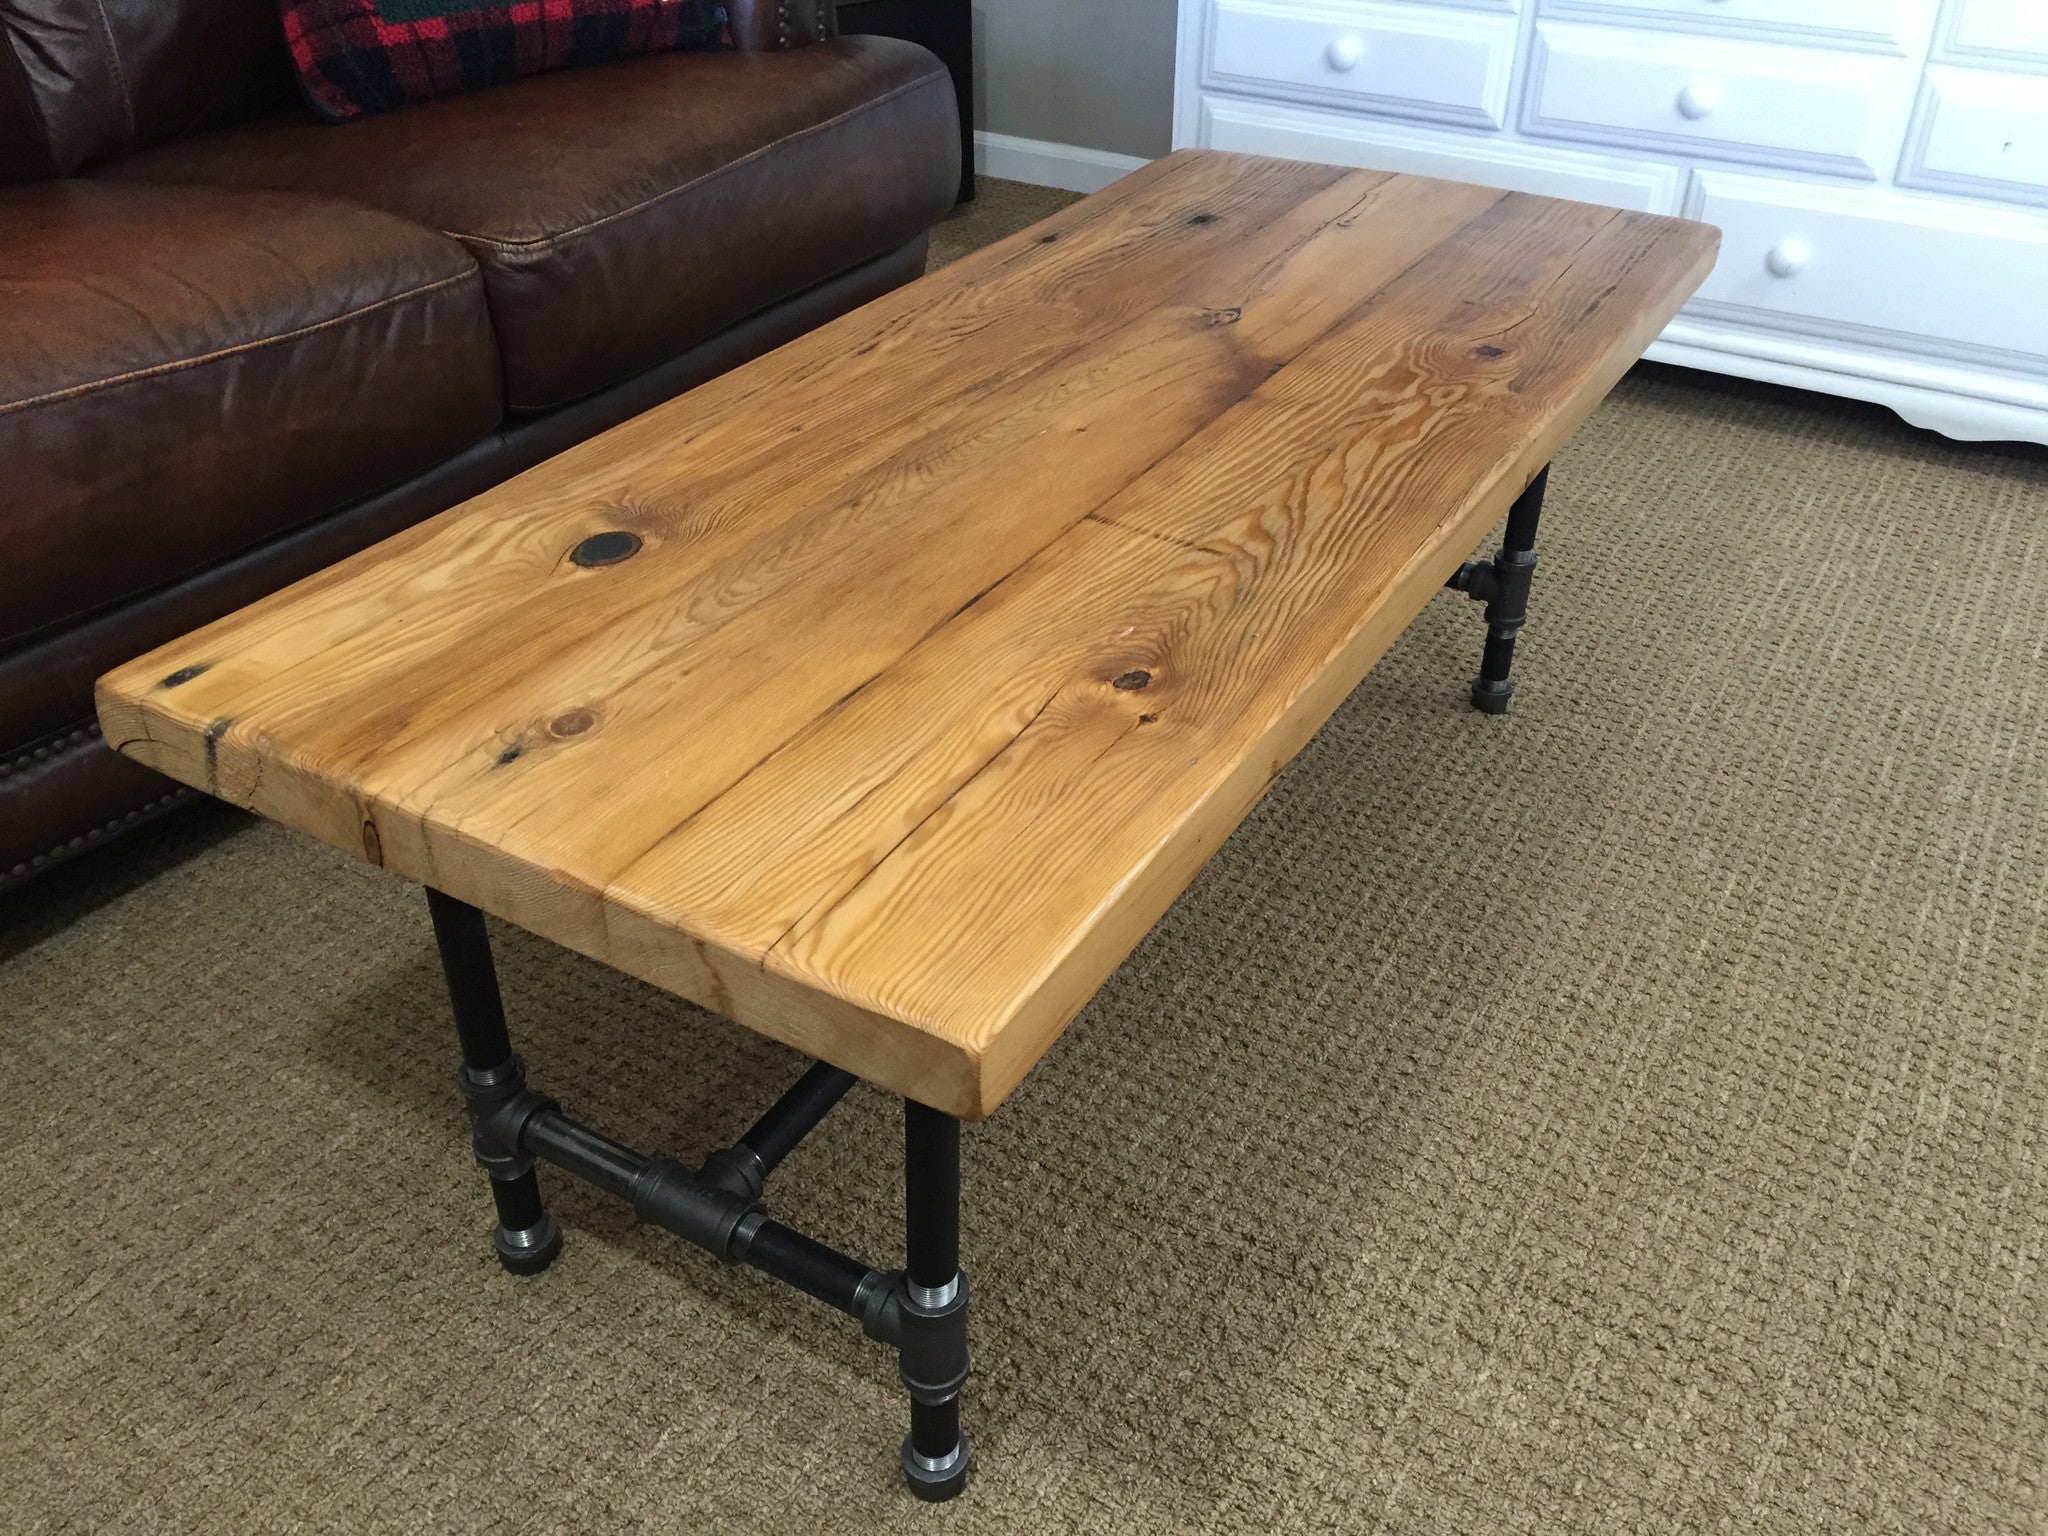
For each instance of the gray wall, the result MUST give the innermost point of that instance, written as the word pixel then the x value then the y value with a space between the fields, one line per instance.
pixel 1098 73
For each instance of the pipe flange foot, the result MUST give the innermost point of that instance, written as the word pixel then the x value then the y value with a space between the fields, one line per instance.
pixel 935 1479
pixel 1491 698
pixel 528 1250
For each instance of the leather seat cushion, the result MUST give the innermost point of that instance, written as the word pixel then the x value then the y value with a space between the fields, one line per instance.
pixel 185 373
pixel 627 211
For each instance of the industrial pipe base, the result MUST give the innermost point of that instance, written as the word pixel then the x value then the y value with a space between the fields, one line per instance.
pixel 920 1311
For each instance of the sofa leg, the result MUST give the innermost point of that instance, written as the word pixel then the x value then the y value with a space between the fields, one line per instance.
pixel 526 1237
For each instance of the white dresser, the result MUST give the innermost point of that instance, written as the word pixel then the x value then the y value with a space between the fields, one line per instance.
pixel 1879 168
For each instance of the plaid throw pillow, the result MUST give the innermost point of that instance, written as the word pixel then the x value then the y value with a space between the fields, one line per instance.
pixel 358 56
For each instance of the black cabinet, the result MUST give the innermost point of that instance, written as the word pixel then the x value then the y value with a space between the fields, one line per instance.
pixel 944 26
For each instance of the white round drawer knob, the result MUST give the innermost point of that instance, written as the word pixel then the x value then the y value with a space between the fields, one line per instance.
pixel 1345 52
pixel 1699 98
pixel 1788 258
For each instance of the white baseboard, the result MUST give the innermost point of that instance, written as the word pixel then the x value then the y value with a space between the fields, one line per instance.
pixel 1042 163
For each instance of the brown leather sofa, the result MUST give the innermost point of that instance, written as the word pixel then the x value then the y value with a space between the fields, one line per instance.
pixel 237 344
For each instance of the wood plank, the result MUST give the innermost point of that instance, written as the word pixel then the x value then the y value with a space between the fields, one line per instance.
pixel 1344 478
pixel 400 728
pixel 963 630
pixel 715 468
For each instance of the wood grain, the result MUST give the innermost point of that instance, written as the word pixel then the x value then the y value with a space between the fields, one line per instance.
pixel 960 632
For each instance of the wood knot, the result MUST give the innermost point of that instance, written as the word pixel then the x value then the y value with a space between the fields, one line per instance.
pixel 572 723
pixel 183 675
pixel 1132 681
pixel 606 548
pixel 1198 219
pixel 1490 350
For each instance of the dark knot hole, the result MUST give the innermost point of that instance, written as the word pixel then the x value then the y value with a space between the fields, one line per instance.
pixel 606 548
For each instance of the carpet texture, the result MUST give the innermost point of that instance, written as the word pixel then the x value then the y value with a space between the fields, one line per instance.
pixel 1630 1115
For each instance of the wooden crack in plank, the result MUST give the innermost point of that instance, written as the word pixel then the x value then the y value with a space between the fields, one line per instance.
pixel 825 903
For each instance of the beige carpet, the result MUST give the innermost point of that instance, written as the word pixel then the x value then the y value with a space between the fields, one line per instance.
pixel 1629 1115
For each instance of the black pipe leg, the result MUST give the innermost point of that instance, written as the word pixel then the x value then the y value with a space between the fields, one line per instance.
pixel 526 1238
pixel 1503 585
pixel 1509 608
pixel 933 1304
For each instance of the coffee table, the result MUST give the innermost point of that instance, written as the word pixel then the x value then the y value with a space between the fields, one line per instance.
pixel 882 693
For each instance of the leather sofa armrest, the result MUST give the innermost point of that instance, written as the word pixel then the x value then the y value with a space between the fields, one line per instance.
pixel 764 26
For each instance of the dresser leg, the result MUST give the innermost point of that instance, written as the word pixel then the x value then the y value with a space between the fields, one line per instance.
pixel 933 1304
pixel 526 1238
pixel 1502 583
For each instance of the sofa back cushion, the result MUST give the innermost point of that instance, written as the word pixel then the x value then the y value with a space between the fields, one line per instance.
pixel 82 81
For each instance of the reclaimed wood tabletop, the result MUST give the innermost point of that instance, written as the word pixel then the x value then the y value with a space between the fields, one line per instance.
pixel 883 692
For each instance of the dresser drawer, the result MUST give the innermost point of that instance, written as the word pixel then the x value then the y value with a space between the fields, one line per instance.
pixel 1340 138
pixel 1981 135
pixel 1925 275
pixel 1895 25
pixel 1443 64
pixel 1841 114
pixel 1997 31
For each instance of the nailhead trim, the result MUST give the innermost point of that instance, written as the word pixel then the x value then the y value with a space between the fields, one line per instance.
pixel 820 22
pixel 70 741
pixel 87 839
